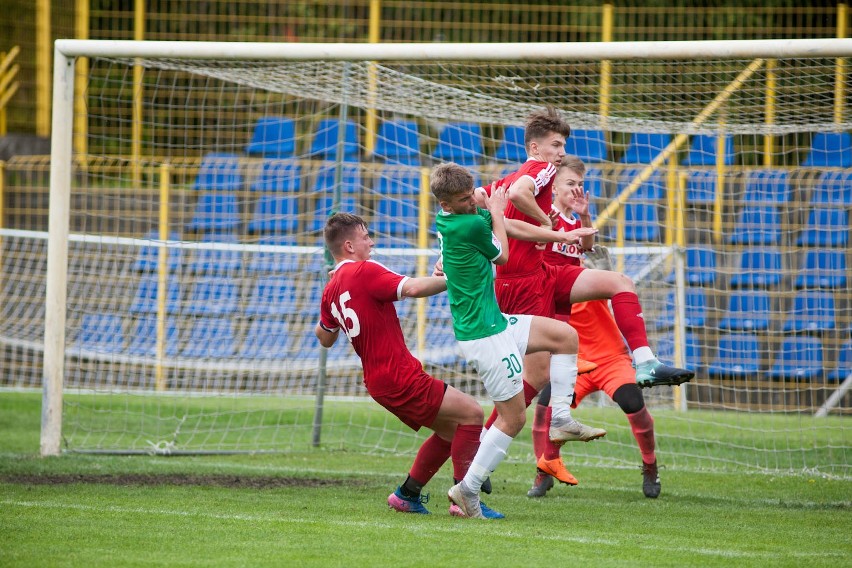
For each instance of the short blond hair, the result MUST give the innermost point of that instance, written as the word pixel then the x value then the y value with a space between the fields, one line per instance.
pixel 574 164
pixel 448 180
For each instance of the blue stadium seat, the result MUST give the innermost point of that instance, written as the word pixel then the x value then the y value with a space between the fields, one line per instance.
pixel 641 222
pixel 213 296
pixel 758 268
pixel 273 137
pixel 826 227
pixel 398 142
pixel 767 186
pixel 278 175
pixel 653 189
pixel 512 148
pixel 210 338
pixel 588 145
pixel 695 309
pixel 830 149
pixel 101 333
pixel 143 342
pixel 145 301
pixel 813 312
pixel 274 261
pixel 800 358
pixel 275 214
pixel 219 172
pixel 701 187
pixel 748 311
pixel 844 364
pixel 757 225
pixel 460 142
pixel 823 269
pixel 702 151
pixel 644 147
pixel 441 345
pixel 593 183
pixel 350 179
pixel 216 261
pixel 834 188
pixel 396 217
pixel 149 255
pixel 738 357
pixel 692 350
pixel 700 266
pixel 274 296
pixel 395 182
pixel 266 339
pixel 323 209
pixel 216 211
pixel 325 140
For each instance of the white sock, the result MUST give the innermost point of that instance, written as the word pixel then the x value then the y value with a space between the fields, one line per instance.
pixel 642 354
pixel 563 377
pixel 492 451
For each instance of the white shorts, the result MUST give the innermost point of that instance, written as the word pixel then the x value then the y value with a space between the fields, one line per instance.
pixel 499 359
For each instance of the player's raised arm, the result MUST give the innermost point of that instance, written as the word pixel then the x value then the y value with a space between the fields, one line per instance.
pixel 424 286
pixel 497 203
pixel 523 231
pixel 522 195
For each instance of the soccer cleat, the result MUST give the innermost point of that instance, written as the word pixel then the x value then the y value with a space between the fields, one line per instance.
pixel 542 484
pixel 555 468
pixel 654 374
pixel 650 480
pixel 584 366
pixel 574 431
pixel 486 486
pixel 487 511
pixel 467 503
pixel 403 504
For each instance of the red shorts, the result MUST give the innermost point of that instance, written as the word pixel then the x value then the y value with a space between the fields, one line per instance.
pixel 611 374
pixel 416 402
pixel 537 293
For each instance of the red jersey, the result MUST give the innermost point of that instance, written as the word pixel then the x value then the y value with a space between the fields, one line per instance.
pixel 560 253
pixel 359 299
pixel 525 256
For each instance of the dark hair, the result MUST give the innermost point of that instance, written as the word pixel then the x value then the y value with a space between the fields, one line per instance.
pixel 448 180
pixel 543 122
pixel 338 228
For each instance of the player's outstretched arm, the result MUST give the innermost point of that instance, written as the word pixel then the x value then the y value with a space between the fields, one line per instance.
pixel 424 286
pixel 523 231
pixel 522 195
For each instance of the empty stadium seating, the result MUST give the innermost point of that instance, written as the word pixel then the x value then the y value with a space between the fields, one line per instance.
pixel 738 356
pixel 813 311
pixel 703 151
pixel 279 176
pixel 512 148
pixel 213 295
pixel 219 172
pixel 273 137
pixel 460 142
pixel 325 141
pixel 210 338
pixel 275 214
pixel 758 268
pixel 644 147
pixel 100 333
pixel 800 358
pixel 747 311
pixel 398 142
pixel 767 186
pixel 830 149
pixel 757 225
pixel 825 227
pixel 588 145
pixel 823 269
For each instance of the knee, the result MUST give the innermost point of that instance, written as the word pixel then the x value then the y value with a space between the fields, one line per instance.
pixel 623 283
pixel 473 413
pixel 568 339
pixel 629 398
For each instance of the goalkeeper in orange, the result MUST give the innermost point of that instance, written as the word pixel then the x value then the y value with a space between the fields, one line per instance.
pixel 601 341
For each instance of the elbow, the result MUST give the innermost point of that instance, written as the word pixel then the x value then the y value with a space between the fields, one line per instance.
pixel 502 259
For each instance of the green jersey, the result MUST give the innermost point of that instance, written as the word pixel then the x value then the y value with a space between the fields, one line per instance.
pixel 468 246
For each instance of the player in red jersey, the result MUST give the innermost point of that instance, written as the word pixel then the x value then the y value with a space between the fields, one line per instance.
pixel 527 285
pixel 600 339
pixel 359 300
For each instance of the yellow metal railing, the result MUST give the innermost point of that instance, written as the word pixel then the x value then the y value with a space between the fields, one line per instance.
pixel 8 85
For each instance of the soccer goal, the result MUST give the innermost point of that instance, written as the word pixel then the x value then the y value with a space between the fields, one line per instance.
pixel 189 184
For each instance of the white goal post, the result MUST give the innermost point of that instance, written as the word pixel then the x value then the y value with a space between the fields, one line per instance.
pixel 501 96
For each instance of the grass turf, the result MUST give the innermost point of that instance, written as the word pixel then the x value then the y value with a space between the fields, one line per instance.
pixel 327 507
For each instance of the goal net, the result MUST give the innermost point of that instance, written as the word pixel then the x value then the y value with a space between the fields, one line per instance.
pixel 183 263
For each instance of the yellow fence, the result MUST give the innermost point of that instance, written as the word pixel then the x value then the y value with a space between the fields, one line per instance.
pixel 35 24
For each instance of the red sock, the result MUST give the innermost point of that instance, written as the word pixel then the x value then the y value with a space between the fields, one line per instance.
pixel 431 456
pixel 529 394
pixel 464 447
pixel 540 429
pixel 642 425
pixel 551 450
pixel 628 315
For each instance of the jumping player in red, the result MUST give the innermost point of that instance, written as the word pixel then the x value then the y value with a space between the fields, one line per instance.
pixel 359 300
pixel 600 339
pixel 526 285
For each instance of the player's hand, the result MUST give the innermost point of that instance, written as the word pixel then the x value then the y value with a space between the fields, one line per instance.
pixel 498 200
pixel 598 258
pixel 438 270
pixel 554 216
pixel 480 197
pixel 574 236
pixel 580 201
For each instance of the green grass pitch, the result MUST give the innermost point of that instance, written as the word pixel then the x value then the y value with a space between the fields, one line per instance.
pixel 326 507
